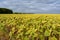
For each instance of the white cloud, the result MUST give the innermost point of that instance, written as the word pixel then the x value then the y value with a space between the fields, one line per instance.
pixel 35 6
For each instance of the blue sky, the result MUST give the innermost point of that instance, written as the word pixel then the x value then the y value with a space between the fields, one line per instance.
pixel 32 6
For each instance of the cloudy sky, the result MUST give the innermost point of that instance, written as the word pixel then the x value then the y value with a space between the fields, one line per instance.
pixel 32 6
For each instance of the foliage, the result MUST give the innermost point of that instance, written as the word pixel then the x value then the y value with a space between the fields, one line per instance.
pixel 5 11
pixel 29 28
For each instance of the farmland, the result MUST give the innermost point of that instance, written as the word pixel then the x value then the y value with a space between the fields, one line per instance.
pixel 29 26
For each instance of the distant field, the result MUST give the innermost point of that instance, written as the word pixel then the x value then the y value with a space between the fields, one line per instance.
pixel 29 15
pixel 29 26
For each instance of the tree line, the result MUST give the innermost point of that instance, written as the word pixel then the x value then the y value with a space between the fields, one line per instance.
pixel 5 11
pixel 9 11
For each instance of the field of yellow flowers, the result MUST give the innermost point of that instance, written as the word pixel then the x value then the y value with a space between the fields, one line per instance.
pixel 29 26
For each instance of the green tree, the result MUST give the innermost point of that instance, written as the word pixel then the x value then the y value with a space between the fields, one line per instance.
pixel 5 11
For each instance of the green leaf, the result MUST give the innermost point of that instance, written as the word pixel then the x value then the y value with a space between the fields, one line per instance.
pixel 47 33
pixel 41 37
pixel 26 38
pixel 53 38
